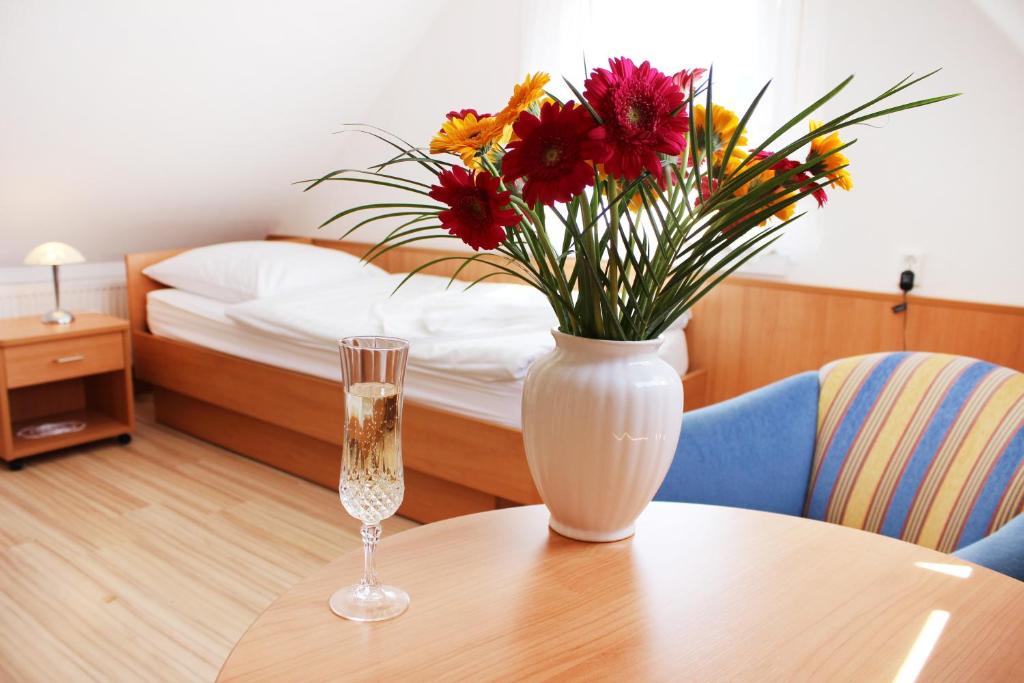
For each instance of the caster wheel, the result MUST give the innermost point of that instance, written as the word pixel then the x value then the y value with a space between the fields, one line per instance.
pixel 15 465
pixel 124 439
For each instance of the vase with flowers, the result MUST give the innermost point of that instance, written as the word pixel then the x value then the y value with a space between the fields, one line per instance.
pixel 623 203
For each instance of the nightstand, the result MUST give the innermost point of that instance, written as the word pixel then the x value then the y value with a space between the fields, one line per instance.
pixel 79 372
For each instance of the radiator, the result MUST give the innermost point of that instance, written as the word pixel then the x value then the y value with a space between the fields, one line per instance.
pixel 106 295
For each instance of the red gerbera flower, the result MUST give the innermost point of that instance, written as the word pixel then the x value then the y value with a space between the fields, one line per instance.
pixel 642 115
pixel 553 152
pixel 801 179
pixel 479 213
pixel 462 113
pixel 686 78
pixel 708 189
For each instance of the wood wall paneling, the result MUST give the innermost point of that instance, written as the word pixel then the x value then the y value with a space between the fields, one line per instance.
pixel 748 332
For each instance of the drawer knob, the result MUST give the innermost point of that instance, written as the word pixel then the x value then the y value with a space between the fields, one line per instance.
pixel 69 359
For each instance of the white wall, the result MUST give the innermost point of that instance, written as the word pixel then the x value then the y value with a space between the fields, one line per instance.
pixel 129 126
pixel 469 55
pixel 132 126
pixel 943 180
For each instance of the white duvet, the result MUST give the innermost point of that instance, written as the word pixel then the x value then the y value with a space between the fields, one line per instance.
pixel 491 331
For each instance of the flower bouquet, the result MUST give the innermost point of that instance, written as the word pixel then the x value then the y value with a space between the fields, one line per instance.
pixel 624 204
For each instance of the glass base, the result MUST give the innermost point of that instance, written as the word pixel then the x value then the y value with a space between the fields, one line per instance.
pixel 362 603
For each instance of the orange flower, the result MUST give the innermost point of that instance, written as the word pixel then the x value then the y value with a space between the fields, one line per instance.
pixel 524 95
pixel 824 144
pixel 471 138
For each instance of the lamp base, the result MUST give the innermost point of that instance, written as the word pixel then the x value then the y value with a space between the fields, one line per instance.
pixel 58 317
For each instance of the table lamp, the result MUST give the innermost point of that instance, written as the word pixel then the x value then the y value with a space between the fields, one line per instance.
pixel 55 254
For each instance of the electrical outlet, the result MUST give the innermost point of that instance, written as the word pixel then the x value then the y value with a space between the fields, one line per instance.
pixel 912 260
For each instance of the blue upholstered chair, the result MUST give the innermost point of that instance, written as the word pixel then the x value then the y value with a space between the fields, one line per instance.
pixel 924 447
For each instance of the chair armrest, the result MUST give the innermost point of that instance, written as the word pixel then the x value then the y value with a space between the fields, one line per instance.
pixel 753 451
pixel 1002 551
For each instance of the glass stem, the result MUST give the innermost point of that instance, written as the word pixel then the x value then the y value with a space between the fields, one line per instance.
pixel 371 535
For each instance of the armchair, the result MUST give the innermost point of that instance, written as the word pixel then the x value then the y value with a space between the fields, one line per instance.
pixel 924 447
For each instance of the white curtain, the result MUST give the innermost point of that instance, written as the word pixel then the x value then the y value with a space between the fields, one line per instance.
pixel 747 41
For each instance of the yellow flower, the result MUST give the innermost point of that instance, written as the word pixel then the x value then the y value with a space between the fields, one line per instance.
pixel 470 137
pixel 732 165
pixel 786 212
pixel 523 95
pixel 473 137
pixel 723 126
pixel 636 202
pixel 839 177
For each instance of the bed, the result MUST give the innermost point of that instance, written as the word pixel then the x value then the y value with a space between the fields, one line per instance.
pixel 262 378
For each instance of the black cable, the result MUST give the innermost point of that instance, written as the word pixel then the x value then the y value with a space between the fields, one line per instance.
pixel 906 284
pixel 906 316
pixel 899 308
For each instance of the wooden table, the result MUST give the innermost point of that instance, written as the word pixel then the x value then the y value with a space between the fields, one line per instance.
pixel 700 593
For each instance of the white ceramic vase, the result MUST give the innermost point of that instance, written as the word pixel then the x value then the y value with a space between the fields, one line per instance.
pixel 601 423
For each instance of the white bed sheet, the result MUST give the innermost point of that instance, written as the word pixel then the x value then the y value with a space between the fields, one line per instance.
pixel 179 315
pixel 491 332
pixel 452 366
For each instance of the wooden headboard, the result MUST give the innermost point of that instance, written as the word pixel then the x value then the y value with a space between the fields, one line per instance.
pixel 138 285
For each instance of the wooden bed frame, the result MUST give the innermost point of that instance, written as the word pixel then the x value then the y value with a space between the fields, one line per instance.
pixel 454 464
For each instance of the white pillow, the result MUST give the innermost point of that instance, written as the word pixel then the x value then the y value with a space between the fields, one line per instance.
pixel 240 271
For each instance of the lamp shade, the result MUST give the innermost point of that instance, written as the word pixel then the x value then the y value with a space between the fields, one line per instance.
pixel 53 254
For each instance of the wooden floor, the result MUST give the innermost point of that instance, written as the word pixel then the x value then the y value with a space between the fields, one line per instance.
pixel 147 562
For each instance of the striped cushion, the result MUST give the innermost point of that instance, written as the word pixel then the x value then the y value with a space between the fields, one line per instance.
pixel 924 447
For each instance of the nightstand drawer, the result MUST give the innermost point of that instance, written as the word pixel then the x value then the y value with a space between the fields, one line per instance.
pixel 63 359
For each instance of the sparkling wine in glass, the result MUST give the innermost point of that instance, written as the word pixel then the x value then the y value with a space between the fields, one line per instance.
pixel 372 484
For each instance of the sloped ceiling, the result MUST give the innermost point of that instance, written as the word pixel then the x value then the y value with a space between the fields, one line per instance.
pixel 1008 17
pixel 131 126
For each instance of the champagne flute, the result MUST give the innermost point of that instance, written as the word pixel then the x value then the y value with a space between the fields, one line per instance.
pixel 372 483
